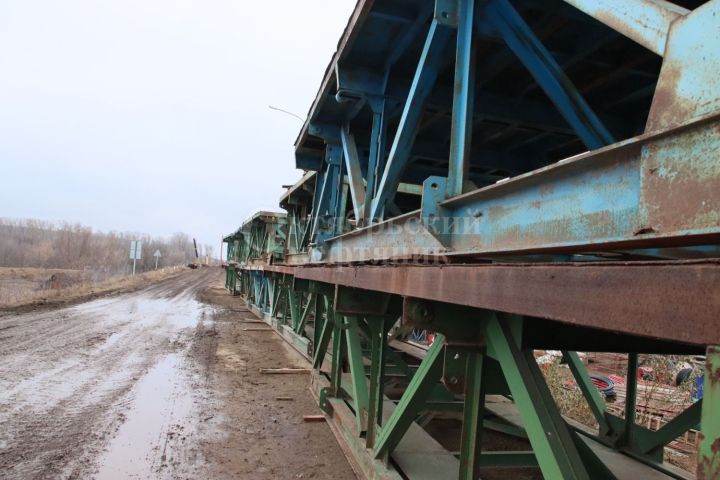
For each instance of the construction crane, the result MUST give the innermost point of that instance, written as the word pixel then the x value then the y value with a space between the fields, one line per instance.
pixel 196 263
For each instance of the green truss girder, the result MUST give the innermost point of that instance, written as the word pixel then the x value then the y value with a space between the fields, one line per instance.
pixel 551 439
pixel 357 372
pixel 360 344
pixel 420 387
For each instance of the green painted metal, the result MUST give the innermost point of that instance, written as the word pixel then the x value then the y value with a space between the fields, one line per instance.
pixel 552 442
pixel 324 333
pixel 470 440
pixel 588 389
pixel 504 427
pixel 378 329
pixel 361 343
pixel 338 343
pixel 357 372
pixel 412 400
pixel 688 419
pixel 709 453
pixel 622 195
pixel 302 321
pixel 630 397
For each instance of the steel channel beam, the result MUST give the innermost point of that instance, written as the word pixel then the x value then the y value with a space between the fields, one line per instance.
pixel 633 298
pixel 645 21
pixel 658 189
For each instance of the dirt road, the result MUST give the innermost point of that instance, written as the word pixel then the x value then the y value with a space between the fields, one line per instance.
pixel 160 383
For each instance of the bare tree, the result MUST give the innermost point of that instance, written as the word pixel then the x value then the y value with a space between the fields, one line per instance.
pixel 34 243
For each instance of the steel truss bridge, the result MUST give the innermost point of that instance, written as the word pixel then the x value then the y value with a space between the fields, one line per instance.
pixel 509 175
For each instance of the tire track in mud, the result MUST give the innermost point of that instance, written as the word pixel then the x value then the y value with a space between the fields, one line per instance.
pixel 67 377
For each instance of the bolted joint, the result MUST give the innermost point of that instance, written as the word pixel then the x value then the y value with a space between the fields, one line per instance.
pixel 454 365
pixel 325 405
pixel 446 12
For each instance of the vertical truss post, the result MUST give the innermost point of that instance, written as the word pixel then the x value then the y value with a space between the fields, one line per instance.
pixel 376 160
pixel 257 287
pixel 378 329
pixel 337 356
pixel 413 399
pixel 262 304
pixel 709 453
pixel 294 308
pixel 463 93
pixel 473 408
pixel 352 163
pixel 552 442
pixel 311 304
pixel 357 372
pixel 548 74
pixel 325 222
pixel 274 289
pixel 426 74
pixel 324 333
pixel 630 397
pixel 285 294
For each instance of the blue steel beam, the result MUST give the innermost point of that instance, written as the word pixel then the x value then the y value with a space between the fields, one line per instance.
pixel 654 190
pixel 355 178
pixel 376 160
pixel 325 210
pixel 463 92
pixel 426 74
pixel 688 87
pixel 645 21
pixel 501 16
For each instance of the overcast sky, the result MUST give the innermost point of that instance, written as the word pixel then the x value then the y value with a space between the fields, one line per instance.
pixel 152 115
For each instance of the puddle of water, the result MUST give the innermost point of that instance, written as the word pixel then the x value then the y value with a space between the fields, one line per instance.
pixel 162 401
pixel 145 310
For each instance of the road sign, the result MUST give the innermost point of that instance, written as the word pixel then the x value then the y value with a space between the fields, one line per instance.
pixel 135 252
pixel 157 257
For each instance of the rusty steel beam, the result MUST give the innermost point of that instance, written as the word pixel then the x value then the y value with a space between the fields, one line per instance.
pixel 645 21
pixel 675 301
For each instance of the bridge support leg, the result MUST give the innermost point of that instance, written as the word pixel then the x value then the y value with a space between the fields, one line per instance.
pixel 709 453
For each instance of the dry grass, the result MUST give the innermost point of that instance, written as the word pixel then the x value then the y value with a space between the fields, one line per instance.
pixel 570 400
pixel 653 393
pixel 27 286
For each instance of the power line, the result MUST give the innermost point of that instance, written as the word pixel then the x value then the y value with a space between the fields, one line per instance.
pixel 289 113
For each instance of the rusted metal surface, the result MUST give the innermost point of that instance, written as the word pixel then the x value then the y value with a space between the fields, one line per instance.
pixel 658 189
pixel 681 182
pixel 270 268
pixel 645 21
pixel 342 424
pixel 687 87
pixel 676 301
pixel 709 452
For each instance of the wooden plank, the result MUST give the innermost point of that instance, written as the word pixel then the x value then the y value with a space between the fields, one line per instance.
pixel 276 371
pixel 313 418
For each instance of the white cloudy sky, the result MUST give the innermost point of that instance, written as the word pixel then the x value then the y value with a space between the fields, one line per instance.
pixel 152 115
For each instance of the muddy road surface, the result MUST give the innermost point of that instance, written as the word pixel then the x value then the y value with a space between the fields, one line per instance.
pixel 159 383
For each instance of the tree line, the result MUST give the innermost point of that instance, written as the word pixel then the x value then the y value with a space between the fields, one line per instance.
pixel 41 244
